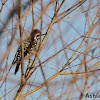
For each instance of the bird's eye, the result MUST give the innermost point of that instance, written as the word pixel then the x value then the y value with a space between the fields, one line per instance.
pixel 38 35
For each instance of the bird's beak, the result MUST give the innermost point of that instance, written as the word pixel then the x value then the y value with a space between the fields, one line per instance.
pixel 42 34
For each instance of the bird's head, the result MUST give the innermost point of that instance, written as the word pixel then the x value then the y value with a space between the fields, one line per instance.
pixel 36 34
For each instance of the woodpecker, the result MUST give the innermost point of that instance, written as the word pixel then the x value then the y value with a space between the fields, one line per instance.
pixel 31 45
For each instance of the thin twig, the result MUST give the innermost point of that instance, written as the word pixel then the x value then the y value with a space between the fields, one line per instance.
pixel 33 13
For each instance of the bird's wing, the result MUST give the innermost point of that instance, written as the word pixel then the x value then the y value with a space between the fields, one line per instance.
pixel 17 57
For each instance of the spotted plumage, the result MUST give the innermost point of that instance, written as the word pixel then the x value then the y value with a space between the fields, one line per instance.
pixel 31 45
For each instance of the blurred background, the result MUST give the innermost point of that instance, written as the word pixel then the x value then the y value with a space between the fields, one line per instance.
pixel 75 22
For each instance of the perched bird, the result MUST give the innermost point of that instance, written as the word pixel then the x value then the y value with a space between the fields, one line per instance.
pixel 31 45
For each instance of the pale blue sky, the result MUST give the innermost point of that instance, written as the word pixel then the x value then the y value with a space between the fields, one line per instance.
pixel 71 29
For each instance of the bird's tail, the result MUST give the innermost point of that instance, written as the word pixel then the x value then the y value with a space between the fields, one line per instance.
pixel 17 68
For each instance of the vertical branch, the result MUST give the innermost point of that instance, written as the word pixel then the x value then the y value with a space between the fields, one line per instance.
pixel 56 6
pixel 21 37
pixel 41 18
pixel 33 14
pixel 28 70
pixel 22 85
